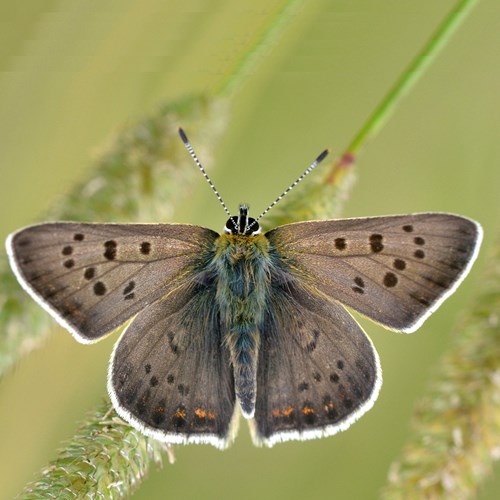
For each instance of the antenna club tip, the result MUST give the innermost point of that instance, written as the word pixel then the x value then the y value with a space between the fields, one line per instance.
pixel 183 135
pixel 323 155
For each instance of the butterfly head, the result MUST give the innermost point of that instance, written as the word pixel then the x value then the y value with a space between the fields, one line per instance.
pixel 242 224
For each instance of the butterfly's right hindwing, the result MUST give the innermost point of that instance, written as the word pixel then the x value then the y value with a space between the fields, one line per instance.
pixel 94 277
pixel 170 374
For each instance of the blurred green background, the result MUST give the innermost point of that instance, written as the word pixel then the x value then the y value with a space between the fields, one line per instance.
pixel 73 73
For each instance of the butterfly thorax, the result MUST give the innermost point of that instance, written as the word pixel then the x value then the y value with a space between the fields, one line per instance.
pixel 242 269
pixel 243 274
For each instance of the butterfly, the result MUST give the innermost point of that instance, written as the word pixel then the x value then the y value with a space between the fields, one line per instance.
pixel 243 321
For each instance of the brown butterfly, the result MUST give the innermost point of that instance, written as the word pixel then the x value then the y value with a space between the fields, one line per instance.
pixel 243 320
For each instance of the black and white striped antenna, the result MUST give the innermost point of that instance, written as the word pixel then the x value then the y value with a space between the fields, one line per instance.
pixel 190 149
pixel 309 169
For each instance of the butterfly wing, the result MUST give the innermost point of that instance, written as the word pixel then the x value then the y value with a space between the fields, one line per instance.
pixel 318 372
pixel 94 277
pixel 170 374
pixel 396 270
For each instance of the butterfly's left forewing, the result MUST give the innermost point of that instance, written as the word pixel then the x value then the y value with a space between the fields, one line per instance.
pixel 317 373
pixel 94 277
pixel 170 373
pixel 395 270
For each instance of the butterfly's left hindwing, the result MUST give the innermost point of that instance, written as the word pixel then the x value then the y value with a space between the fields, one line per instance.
pixel 396 270
pixel 170 374
pixel 317 373
pixel 94 277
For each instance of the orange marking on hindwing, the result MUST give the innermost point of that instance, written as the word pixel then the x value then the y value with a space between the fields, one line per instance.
pixel 285 412
pixel 307 410
pixel 204 413
pixel 180 414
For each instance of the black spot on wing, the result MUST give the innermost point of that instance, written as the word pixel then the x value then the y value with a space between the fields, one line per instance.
pixel 340 243
pixel 399 264
pixel 100 288
pixel 360 285
pixel 390 280
pixel 110 250
pixel 145 247
pixel 89 273
pixel 376 244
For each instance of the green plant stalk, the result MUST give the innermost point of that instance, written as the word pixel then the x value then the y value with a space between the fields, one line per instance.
pixel 330 192
pixel 106 458
pixel 411 74
pixel 263 42
pixel 456 426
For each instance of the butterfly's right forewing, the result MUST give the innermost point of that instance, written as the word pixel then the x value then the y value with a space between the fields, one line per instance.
pixel 94 277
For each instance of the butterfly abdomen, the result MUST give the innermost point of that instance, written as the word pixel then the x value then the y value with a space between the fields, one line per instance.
pixel 243 343
pixel 242 270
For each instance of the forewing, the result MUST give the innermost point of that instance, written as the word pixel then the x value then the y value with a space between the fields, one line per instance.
pixel 170 374
pixel 93 277
pixel 396 270
pixel 318 372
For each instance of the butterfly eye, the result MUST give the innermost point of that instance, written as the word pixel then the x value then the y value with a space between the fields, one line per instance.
pixel 252 226
pixel 231 225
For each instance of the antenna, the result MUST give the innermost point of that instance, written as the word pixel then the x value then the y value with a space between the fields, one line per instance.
pixel 309 169
pixel 190 149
